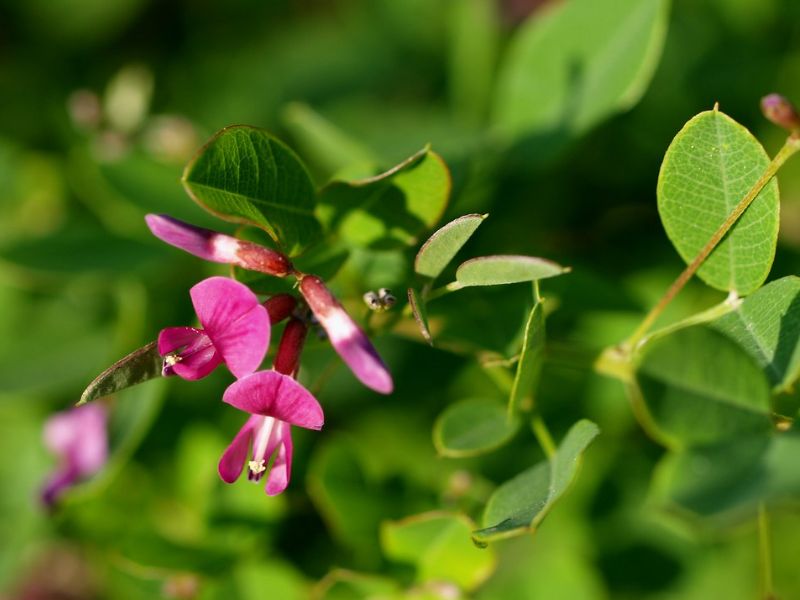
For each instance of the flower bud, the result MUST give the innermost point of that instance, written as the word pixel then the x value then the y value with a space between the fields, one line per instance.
pixel 780 111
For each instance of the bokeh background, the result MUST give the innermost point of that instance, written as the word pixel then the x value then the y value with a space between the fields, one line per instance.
pixel 102 105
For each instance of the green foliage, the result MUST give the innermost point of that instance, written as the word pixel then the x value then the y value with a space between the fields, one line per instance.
pixel 501 270
pixel 139 366
pixel 529 364
pixel 392 208
pixel 576 63
pixel 247 176
pixel 472 427
pixel 438 545
pixel 707 170
pixel 435 254
pixel 520 504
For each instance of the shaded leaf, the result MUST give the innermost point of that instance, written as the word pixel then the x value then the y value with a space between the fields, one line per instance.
pixel 767 325
pixel 576 63
pixel 529 365
pixel 731 478
pixel 503 269
pixel 444 244
pixel 245 175
pixel 520 504
pixel 439 545
pixel 473 427
pixel 137 367
pixel 419 310
pixel 391 209
pixel 709 167
pixel 699 387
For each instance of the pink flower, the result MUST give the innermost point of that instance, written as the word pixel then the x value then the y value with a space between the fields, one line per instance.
pixel 235 331
pixel 346 336
pixel 218 247
pixel 275 402
pixel 78 437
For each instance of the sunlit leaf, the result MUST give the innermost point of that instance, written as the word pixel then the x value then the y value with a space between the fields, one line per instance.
pixel 576 63
pixel 247 176
pixel 439 545
pixel 137 367
pixel 767 325
pixel 391 209
pixel 444 244
pixel 520 504
pixel 529 365
pixel 709 167
pixel 472 427
pixel 503 269
pixel 700 387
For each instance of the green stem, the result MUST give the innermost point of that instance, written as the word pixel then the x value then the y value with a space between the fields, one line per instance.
pixel 453 286
pixel 543 436
pixel 791 146
pixel 765 553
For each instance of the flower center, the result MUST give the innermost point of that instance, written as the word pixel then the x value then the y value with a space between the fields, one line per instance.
pixel 257 467
pixel 263 446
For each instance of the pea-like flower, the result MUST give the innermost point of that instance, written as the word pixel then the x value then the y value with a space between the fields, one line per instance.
pixel 347 338
pixel 78 437
pixel 275 402
pixel 235 331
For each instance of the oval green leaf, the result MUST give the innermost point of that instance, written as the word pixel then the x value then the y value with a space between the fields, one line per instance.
pixel 392 209
pixel 438 544
pixel 709 167
pixel 473 427
pixel 419 310
pixel 443 245
pixel 507 268
pixel 520 504
pixel 137 367
pixel 245 175
pixel 577 62
pixel 529 365
pixel 767 325
pixel 699 387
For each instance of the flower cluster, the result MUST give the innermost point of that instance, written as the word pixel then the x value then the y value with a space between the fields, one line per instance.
pixel 235 331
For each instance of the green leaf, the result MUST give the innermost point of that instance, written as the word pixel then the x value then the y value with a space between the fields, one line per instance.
pixel 473 427
pixel 503 269
pixel 444 244
pixel 341 584
pixel 419 310
pixel 709 167
pixel 731 478
pixel 520 504
pixel 474 42
pixel 245 175
pixel 392 209
pixel 767 325
pixel 575 63
pixel 139 366
pixel 439 545
pixel 699 387
pixel 529 365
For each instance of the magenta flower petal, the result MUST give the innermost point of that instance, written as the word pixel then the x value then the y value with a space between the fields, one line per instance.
pixel 175 338
pixel 234 457
pixel 281 471
pixel 273 394
pixel 78 437
pixel 346 336
pixel 234 320
pixel 203 243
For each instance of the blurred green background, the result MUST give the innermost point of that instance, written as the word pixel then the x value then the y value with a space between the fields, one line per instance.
pixel 102 105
